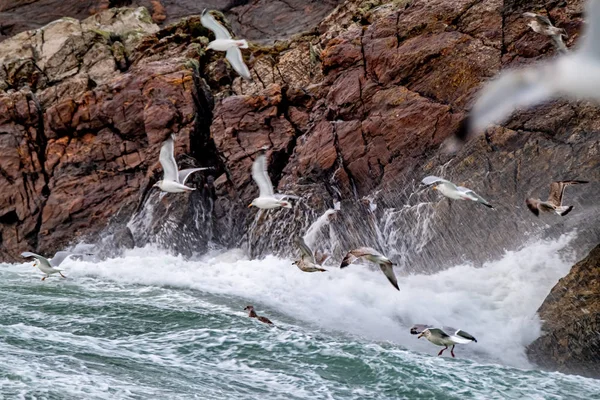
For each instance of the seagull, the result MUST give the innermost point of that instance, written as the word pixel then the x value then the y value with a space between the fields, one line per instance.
pixel 48 267
pixel 554 202
pixel 454 192
pixel 224 42
pixel 307 262
pixel 541 24
pixel 374 256
pixel 439 337
pixel 574 75
pixel 253 314
pixel 173 181
pixel 266 198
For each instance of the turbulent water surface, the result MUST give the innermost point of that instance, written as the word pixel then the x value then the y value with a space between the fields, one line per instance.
pixel 154 326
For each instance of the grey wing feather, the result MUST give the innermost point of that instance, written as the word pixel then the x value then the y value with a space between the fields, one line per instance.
pixel 261 176
pixel 429 180
pixel 167 160
pixel 474 195
pixel 185 173
pixel 388 271
pixel 439 332
pixel 365 251
pixel 234 56
pixel 542 19
pixel 499 98
pixel 42 259
pixel 59 257
pixel 209 22
pixel 281 196
pixel 307 254
pixel 465 335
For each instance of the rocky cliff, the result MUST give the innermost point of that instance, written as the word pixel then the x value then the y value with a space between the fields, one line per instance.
pixel 354 109
pixel 571 314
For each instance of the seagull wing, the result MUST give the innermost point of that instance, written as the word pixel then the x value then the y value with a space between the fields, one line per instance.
pixel 209 22
pixel 307 254
pixel 438 332
pixel 42 259
pixel 557 190
pixel 59 257
pixel 388 271
pixel 281 196
pixel 261 176
pixel 234 56
pixel 474 196
pixel 512 90
pixel 185 173
pixel 591 36
pixel 429 180
pixel 167 160
pixel 543 20
pixel 459 336
pixel 320 258
pixel 360 252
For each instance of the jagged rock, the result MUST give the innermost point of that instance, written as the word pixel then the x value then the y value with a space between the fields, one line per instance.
pixel 571 313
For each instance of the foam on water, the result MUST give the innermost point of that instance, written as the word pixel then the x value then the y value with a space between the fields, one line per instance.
pixel 496 303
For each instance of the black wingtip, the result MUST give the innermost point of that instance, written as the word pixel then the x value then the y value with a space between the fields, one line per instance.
pixel 344 264
pixel 568 210
pixel 204 11
pixel 488 205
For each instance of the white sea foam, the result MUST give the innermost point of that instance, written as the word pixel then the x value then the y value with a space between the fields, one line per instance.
pixel 496 303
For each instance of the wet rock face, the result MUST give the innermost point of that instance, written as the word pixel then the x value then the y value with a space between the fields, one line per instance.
pixel 255 20
pixel 354 110
pixel 80 137
pixel 571 313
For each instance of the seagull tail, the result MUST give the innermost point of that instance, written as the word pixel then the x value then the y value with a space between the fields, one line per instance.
pixel 563 210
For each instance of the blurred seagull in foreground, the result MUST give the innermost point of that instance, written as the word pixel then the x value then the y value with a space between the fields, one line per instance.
pixel 386 266
pixel 541 24
pixel 48 267
pixel 308 261
pixel 574 75
pixel 224 42
pixel 554 202
pixel 440 337
pixel 454 192
pixel 266 197
pixel 173 180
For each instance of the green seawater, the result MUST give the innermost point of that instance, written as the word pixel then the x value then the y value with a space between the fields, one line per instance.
pixel 152 326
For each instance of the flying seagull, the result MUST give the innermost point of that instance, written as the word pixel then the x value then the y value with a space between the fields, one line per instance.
pixel 307 261
pixel 266 198
pixel 573 75
pixel 386 266
pixel 224 42
pixel 454 192
pixel 541 24
pixel 554 202
pixel 253 314
pixel 173 181
pixel 439 337
pixel 48 267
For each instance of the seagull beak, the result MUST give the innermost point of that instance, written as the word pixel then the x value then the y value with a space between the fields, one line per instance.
pixel 419 337
pixel 249 205
pixel 435 188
